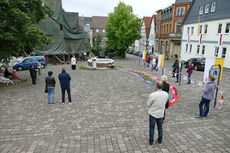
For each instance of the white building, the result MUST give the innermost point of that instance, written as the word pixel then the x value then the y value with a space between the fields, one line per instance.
pixel 145 28
pixel 206 30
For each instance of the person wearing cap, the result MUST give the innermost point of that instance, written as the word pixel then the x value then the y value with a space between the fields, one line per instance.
pixel 208 95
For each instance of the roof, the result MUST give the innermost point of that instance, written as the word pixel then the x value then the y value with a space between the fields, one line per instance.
pixel 99 21
pixel 221 11
pixel 85 20
pixel 147 21
pixel 183 1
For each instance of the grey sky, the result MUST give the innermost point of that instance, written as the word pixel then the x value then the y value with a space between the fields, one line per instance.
pixel 104 7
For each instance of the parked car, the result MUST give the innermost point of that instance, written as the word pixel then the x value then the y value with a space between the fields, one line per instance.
pixel 26 62
pixel 135 52
pixel 140 54
pixel 130 52
pixel 199 63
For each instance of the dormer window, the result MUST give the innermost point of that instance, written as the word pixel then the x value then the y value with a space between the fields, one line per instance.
pixel 201 10
pixel 213 7
pixel 207 8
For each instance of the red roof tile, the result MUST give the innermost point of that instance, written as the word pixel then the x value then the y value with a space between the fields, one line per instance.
pixel 147 21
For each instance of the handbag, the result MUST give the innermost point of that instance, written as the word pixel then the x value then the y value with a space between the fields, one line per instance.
pixel 46 89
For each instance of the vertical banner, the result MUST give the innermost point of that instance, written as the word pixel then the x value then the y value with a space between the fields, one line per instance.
pixel 144 55
pixel 161 60
pixel 209 62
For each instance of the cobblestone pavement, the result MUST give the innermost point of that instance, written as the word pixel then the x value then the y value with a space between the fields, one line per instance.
pixel 108 114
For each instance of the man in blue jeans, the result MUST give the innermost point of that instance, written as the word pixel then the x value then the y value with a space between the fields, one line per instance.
pixel 156 104
pixel 64 79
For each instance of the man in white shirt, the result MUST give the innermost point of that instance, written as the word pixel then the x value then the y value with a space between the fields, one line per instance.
pixel 156 104
pixel 73 62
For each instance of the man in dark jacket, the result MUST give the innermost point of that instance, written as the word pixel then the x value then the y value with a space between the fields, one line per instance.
pixel 33 74
pixel 64 79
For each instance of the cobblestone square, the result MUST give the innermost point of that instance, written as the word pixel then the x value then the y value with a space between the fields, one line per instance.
pixel 108 114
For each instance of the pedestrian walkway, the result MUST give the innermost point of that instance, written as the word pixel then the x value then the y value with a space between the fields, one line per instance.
pixel 108 114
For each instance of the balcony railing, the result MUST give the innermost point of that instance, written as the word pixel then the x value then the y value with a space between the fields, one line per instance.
pixel 175 35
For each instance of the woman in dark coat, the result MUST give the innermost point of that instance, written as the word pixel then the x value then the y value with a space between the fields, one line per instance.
pixel 33 74
pixel 166 89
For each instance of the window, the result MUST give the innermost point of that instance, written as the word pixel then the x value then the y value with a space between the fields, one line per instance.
pixel 198 49
pixel 206 8
pixel 103 30
pixel 178 12
pixel 188 29
pixel 203 50
pixel 227 28
pixel 182 11
pixel 97 30
pixel 27 60
pixel 213 7
pixel 190 49
pixel 216 52
pixel 201 10
pixel 162 47
pixel 200 29
pixel 186 48
pixel 224 52
pixel 219 28
pixel 192 30
pixel 166 48
pixel 205 28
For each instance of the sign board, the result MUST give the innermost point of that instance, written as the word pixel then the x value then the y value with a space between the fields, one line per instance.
pixel 209 62
pixel 144 55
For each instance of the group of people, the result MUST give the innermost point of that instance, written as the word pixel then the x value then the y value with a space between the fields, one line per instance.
pixel 177 68
pixel 8 76
pixel 64 79
pixel 158 102
pixel 151 59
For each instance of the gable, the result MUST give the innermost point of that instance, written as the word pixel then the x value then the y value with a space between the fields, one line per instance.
pixel 222 11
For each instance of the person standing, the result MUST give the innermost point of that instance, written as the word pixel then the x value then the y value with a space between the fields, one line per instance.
pixel 50 83
pixel 156 104
pixel 174 66
pixel 7 73
pixel 39 67
pixel 73 62
pixel 64 79
pixel 189 71
pixel 208 95
pixel 166 89
pixel 33 74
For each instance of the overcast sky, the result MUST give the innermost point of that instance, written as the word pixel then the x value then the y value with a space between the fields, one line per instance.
pixel 104 7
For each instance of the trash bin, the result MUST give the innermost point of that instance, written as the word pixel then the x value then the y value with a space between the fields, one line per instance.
pixel 94 63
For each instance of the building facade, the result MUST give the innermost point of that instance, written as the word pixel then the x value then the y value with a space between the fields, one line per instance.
pixel 168 30
pixel 145 29
pixel 206 31
pixel 152 34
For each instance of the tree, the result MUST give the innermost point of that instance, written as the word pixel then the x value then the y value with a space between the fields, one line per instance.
pixel 97 43
pixel 122 29
pixel 18 33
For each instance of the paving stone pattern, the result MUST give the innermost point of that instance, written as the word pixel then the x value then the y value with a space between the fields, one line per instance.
pixel 108 114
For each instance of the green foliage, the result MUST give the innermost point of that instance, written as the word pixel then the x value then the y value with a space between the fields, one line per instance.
pixel 97 44
pixel 122 29
pixel 18 33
